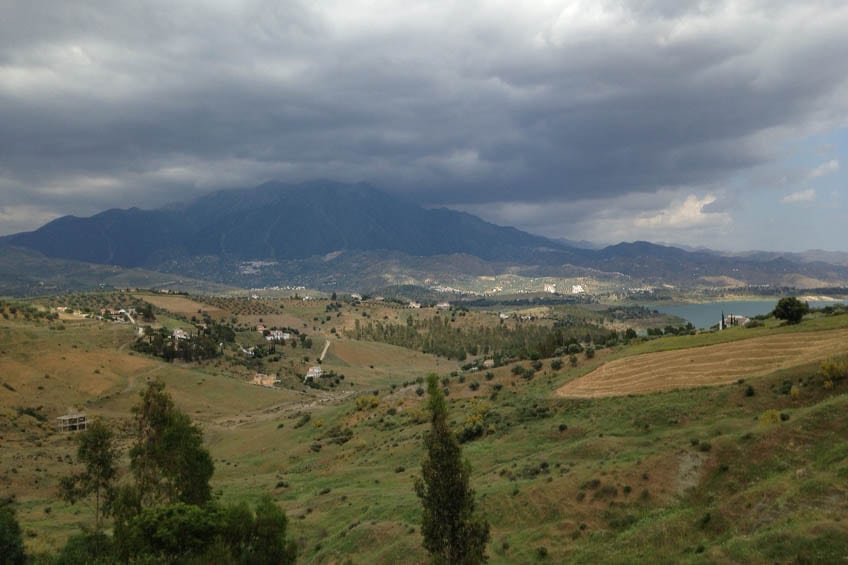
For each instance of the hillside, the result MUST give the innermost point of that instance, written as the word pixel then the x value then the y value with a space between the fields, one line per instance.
pixel 24 272
pixel 752 471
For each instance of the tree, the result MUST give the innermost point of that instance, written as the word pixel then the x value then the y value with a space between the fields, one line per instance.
pixel 168 459
pixel 11 542
pixel 790 309
pixel 452 533
pixel 97 451
pixel 168 462
pixel 266 542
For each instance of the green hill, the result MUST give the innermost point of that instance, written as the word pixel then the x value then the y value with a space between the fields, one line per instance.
pixel 752 471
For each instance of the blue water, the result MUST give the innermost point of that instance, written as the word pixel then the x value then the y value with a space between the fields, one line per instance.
pixel 708 314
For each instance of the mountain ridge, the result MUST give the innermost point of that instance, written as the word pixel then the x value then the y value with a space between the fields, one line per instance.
pixel 290 223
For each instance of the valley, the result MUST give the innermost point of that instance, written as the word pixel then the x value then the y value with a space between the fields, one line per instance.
pixel 635 445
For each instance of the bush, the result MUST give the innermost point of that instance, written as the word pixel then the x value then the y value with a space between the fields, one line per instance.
pixel 367 401
pixel 90 548
pixel 790 309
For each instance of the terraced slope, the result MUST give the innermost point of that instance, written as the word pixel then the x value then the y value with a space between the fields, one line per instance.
pixel 710 365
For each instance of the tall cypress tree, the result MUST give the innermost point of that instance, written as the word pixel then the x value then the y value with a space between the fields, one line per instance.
pixel 453 534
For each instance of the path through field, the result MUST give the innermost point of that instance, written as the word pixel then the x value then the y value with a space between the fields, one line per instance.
pixel 711 365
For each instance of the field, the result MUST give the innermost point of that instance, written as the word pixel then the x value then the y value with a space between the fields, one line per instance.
pixel 744 472
pixel 709 365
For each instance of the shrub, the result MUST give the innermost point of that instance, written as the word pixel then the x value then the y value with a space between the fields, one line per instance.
pixel 367 402
pixel 769 417
pixel 833 370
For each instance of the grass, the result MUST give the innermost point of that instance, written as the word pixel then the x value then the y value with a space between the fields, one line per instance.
pixel 624 478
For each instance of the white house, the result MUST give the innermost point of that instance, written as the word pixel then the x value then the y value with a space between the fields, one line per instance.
pixel 179 334
pixel 577 289
pixel 313 373
pixel 278 335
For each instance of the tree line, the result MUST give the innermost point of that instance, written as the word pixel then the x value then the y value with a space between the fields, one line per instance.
pixel 437 336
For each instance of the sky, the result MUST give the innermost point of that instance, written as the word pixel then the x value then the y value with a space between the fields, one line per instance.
pixel 721 124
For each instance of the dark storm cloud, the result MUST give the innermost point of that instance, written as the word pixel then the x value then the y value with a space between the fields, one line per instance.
pixel 130 103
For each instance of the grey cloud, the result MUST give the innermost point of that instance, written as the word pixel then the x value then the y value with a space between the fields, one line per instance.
pixel 456 104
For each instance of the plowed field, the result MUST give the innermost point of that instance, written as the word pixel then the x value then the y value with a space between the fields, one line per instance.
pixel 710 365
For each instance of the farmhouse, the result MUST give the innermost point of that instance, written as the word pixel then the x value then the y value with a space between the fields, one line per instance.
pixel 443 306
pixel 278 336
pixel 313 373
pixel 179 334
pixel 262 379
pixel 577 289
pixel 732 320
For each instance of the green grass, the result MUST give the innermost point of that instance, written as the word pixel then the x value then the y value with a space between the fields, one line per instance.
pixel 624 479
pixel 816 322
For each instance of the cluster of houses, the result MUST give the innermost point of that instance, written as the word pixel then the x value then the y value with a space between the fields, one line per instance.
pixel 440 306
pixel 575 289
pixel 120 315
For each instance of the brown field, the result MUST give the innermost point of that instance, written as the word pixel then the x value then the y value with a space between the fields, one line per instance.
pixel 710 365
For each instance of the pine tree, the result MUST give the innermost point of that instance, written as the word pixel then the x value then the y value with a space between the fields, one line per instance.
pixel 452 533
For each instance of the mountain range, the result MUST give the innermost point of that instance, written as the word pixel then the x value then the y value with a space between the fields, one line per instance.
pixel 320 231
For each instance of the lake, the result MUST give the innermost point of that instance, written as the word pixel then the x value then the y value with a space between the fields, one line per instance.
pixel 708 313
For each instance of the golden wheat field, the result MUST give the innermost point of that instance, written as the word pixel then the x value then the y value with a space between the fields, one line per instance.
pixel 710 365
